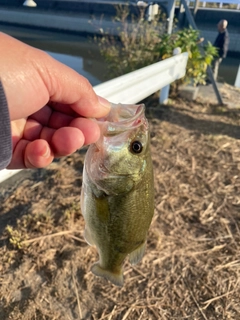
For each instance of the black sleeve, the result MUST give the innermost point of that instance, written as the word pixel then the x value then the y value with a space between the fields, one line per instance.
pixel 225 44
pixel 5 131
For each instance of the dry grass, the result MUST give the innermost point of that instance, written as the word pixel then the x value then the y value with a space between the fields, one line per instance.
pixel 191 269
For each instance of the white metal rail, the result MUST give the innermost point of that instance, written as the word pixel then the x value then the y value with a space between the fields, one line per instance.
pixel 219 3
pixel 135 86
pixel 138 85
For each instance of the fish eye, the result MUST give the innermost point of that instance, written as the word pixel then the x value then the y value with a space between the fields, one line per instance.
pixel 136 147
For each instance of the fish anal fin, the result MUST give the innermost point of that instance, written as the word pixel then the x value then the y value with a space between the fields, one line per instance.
pixel 88 237
pixel 115 278
pixel 136 255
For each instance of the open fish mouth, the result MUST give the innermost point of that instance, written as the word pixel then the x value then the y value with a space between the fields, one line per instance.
pixel 122 118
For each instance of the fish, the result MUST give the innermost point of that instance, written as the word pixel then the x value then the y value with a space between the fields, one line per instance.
pixel 117 196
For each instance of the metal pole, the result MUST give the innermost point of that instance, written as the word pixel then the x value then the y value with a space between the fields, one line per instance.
pixel 189 15
pixel 196 4
pixel 163 99
pixel 214 84
pixel 209 70
pixel 171 10
pixel 181 16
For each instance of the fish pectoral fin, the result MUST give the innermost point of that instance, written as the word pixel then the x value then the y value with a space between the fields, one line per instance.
pixel 115 278
pixel 136 255
pixel 88 237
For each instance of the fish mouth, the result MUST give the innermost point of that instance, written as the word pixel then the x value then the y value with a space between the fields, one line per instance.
pixel 123 117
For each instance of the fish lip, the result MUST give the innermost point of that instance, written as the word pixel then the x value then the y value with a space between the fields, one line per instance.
pixel 130 123
pixel 139 112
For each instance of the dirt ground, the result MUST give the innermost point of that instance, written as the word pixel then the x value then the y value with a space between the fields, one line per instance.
pixel 191 268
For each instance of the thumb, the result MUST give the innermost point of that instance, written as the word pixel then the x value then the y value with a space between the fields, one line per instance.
pixel 31 78
pixel 66 87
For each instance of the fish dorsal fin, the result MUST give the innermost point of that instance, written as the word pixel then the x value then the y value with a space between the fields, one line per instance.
pixel 136 255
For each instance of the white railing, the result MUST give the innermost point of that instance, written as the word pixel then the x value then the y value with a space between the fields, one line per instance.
pixel 6 174
pixel 135 86
pixel 219 3
pixel 138 85
pixel 237 80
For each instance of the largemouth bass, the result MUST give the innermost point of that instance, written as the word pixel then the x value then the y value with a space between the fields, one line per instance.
pixel 117 198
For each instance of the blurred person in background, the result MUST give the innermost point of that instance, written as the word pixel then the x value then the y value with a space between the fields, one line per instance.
pixel 221 43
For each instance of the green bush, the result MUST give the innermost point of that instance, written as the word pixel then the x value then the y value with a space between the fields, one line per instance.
pixel 198 58
pixel 135 45
pixel 141 43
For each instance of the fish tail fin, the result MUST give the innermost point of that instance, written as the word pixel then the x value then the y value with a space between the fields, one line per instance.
pixel 115 278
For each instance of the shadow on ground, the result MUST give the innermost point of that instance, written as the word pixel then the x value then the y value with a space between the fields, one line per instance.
pixel 204 126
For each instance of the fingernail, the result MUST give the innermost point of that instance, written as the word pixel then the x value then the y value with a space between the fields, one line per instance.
pixel 46 152
pixel 104 102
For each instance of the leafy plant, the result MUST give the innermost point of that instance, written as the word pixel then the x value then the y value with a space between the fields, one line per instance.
pixel 134 47
pixel 15 237
pixel 198 58
pixel 141 43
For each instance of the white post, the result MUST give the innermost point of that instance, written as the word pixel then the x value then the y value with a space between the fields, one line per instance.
pixel 171 11
pixel 150 12
pixel 237 81
pixel 163 99
pixel 29 3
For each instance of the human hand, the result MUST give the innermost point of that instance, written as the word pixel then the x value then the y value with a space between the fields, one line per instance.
pixel 49 105
pixel 200 40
